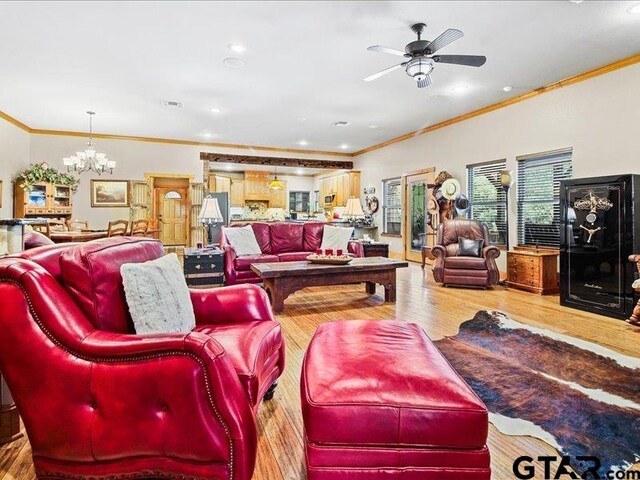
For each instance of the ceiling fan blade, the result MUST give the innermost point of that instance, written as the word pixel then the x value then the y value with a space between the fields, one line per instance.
pixel 469 60
pixel 424 83
pixel 445 38
pixel 383 72
pixel 381 49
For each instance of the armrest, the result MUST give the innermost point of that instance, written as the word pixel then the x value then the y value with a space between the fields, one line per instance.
pixel 438 251
pixel 237 303
pixel 491 251
pixel 355 247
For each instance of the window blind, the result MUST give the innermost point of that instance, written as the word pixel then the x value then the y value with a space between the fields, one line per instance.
pixel 539 178
pixel 488 201
pixel 391 206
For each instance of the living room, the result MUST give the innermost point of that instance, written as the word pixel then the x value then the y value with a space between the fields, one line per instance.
pixel 479 190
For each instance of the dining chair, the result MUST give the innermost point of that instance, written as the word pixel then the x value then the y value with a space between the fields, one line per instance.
pixel 42 226
pixel 57 225
pixel 139 228
pixel 117 228
pixel 76 225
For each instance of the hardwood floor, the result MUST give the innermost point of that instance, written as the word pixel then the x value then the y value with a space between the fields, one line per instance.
pixel 438 310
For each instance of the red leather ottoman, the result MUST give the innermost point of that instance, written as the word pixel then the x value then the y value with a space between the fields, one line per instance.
pixel 379 401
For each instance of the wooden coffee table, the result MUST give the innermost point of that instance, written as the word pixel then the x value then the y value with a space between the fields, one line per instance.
pixel 282 279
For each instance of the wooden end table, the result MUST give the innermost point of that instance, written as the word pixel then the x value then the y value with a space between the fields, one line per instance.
pixel 282 279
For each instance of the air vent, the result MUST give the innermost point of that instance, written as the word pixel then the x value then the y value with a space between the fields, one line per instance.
pixel 171 104
pixel 341 123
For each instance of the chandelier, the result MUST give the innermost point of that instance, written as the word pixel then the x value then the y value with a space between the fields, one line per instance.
pixel 89 160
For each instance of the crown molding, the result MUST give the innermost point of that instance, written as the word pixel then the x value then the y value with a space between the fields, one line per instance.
pixel 15 122
pixel 625 62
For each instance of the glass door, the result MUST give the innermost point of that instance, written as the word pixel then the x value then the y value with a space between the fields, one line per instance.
pixel 37 196
pixel 417 231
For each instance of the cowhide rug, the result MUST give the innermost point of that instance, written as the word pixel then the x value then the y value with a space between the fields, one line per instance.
pixel 579 397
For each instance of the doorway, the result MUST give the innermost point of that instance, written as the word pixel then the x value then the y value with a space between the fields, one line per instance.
pixel 171 207
pixel 417 187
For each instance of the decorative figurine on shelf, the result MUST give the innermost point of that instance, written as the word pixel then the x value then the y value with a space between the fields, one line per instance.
pixel 635 316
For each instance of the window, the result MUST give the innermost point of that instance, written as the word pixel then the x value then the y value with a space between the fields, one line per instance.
pixel 173 195
pixel 391 206
pixel 539 178
pixel 487 198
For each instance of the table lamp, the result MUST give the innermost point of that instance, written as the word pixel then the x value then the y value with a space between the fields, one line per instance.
pixel 353 210
pixel 210 214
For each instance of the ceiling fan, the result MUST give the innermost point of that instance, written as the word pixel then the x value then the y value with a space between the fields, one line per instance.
pixel 420 56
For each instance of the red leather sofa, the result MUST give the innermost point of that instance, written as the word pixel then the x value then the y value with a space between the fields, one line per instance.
pixel 99 402
pixel 279 242
pixel 379 401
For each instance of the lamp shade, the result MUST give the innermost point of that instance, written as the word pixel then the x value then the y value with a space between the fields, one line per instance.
pixel 506 178
pixel 210 211
pixel 353 208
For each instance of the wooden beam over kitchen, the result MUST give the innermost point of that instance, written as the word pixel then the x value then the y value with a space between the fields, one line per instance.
pixel 275 161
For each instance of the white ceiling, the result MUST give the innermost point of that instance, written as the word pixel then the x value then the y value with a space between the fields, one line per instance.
pixel 303 59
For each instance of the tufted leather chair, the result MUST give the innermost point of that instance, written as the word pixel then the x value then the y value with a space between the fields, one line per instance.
pixel 451 269
pixel 99 402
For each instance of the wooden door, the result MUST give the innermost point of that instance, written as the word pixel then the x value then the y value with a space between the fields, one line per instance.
pixel 416 232
pixel 172 214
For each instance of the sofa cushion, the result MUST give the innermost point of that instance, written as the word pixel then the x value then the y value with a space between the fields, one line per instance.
pixel 242 239
pixel 91 274
pixel 286 237
pixel 312 236
pixel 465 263
pixel 254 349
pixel 157 296
pixel 263 236
pixel 383 382
pixel 244 262
pixel 293 256
pixel 336 238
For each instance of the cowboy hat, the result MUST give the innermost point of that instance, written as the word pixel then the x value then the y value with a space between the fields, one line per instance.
pixel 451 189
pixel 432 205
pixel 462 204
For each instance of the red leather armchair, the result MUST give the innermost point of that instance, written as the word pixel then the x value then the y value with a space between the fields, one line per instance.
pixel 100 402
pixel 451 269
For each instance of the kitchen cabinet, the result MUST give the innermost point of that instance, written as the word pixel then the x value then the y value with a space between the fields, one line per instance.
pixel 218 183
pixel 256 186
pixel 278 198
pixel 43 199
pixel 236 196
pixel 342 185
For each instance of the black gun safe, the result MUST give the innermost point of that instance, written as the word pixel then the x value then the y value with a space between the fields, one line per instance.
pixel 600 228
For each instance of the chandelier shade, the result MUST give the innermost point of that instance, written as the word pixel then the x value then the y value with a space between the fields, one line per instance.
pixel 89 159
pixel 276 184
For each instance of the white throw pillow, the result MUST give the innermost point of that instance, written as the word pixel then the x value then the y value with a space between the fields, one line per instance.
pixel 336 238
pixel 158 296
pixel 242 239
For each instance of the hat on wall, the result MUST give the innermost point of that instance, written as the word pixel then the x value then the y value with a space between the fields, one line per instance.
pixel 451 189
pixel 462 204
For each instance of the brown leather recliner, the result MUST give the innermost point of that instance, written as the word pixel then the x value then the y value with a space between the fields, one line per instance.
pixel 452 269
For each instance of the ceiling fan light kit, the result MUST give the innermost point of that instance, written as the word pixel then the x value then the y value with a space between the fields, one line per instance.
pixel 420 55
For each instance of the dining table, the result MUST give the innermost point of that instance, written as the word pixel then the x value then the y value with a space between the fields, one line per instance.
pixel 77 235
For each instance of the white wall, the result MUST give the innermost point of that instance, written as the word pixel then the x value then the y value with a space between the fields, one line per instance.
pixel 599 118
pixel 134 159
pixel 14 156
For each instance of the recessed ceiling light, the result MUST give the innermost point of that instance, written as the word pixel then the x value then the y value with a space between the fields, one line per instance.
pixel 207 135
pixel 303 143
pixel 507 88
pixel 229 167
pixel 233 62
pixel 300 171
pixel 460 89
pixel 237 47
pixel 576 1
pixel 373 126
pixel 301 119
pixel 215 110
pixel 344 146
pixel 340 123
pixel 634 9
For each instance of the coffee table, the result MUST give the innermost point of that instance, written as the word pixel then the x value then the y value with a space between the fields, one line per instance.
pixel 282 279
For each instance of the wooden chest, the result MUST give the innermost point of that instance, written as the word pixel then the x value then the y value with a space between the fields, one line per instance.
pixel 203 267
pixel 533 270
pixel 375 249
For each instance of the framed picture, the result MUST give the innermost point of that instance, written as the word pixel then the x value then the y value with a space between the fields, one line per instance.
pixel 109 193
